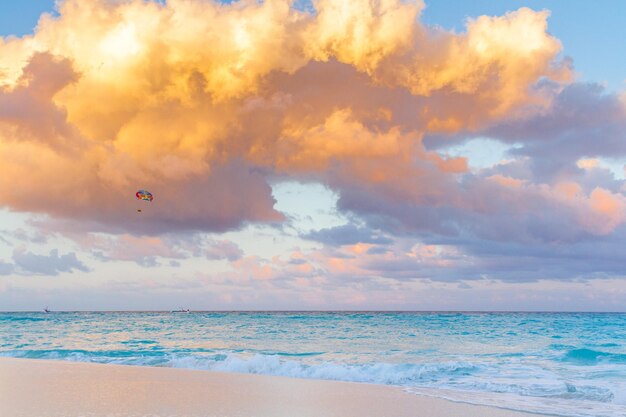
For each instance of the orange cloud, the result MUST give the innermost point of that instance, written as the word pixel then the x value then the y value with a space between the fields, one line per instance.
pixel 608 209
pixel 507 181
pixel 361 32
pixel 199 102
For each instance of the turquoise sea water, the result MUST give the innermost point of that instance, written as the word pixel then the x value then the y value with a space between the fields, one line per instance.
pixel 569 364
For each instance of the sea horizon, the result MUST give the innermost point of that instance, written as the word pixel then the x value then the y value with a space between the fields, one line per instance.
pixel 324 311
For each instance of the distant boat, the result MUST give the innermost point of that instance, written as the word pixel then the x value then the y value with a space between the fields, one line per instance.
pixel 46 310
pixel 181 310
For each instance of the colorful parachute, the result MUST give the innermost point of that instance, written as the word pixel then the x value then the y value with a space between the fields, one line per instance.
pixel 144 195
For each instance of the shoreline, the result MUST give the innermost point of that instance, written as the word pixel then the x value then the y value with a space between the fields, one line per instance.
pixel 41 387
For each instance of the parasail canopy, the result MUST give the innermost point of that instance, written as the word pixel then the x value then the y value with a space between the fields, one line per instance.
pixel 144 195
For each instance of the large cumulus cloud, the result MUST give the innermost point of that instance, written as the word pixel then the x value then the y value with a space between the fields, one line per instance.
pixel 206 104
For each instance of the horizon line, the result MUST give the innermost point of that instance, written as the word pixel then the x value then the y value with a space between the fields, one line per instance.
pixel 313 311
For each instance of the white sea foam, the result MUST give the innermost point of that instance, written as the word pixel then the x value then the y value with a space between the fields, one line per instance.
pixel 539 405
pixel 379 373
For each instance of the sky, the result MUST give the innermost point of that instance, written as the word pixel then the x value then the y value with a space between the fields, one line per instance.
pixel 366 154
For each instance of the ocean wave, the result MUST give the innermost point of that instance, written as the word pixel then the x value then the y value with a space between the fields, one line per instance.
pixel 458 380
pixel 275 364
pixel 592 357
pixel 452 374
pixel 378 373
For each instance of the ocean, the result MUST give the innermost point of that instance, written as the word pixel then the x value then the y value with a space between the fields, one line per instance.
pixel 567 364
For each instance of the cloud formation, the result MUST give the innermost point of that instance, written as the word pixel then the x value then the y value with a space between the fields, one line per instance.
pixel 28 263
pixel 109 97
pixel 207 105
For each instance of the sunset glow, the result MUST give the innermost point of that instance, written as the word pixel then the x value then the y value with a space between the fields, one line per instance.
pixel 305 158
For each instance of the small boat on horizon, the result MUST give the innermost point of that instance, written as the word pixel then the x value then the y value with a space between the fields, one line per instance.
pixel 46 310
pixel 181 310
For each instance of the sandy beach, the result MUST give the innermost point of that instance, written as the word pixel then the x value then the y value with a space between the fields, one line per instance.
pixel 40 388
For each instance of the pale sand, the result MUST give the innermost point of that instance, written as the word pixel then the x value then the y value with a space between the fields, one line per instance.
pixel 41 388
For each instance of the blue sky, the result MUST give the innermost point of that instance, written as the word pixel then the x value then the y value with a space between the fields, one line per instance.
pixel 20 18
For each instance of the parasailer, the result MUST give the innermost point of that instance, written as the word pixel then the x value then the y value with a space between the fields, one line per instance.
pixel 143 195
